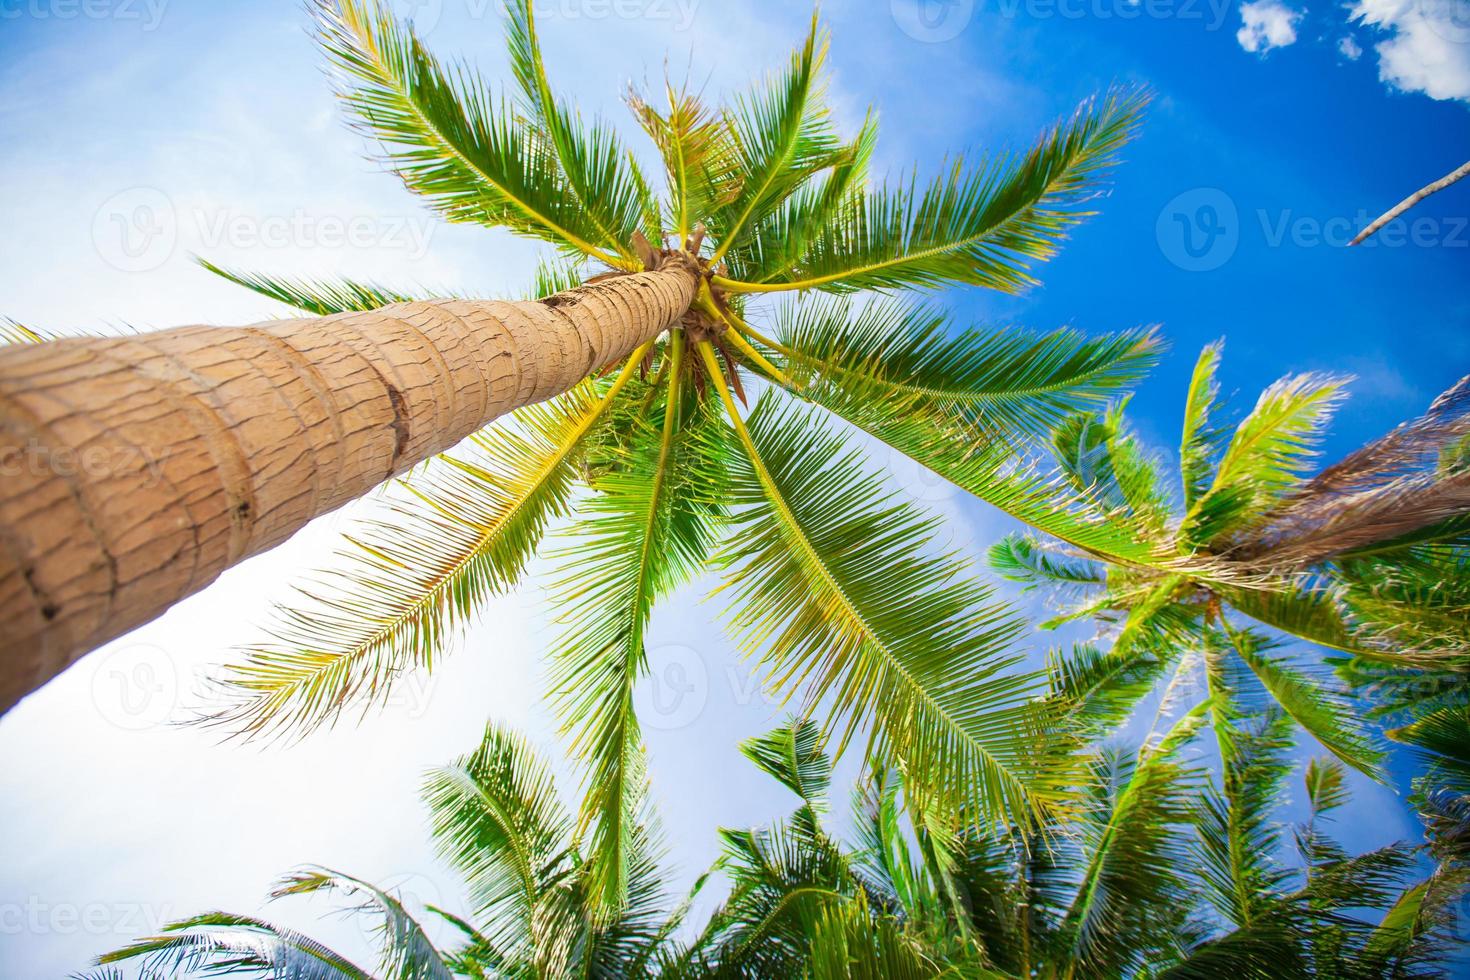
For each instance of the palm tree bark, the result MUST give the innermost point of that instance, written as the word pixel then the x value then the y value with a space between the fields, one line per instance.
pixel 136 469
pixel 1412 200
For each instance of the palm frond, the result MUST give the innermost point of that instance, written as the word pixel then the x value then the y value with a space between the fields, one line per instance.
pixel 694 143
pixel 220 942
pixel 782 135
pixel 12 332
pixel 463 531
pixel 1024 558
pixel 599 170
pixel 848 942
pixel 407 953
pixel 648 529
pixel 319 297
pixel 1267 457
pixel 496 818
pixel 833 586
pixel 1100 690
pixel 446 136
pixel 1201 440
pixel 1008 381
pixel 795 756
pixel 1128 905
pixel 978 225
pixel 1313 701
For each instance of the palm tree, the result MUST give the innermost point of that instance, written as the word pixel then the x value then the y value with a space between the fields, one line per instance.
pixel 840 589
pixel 221 443
pixel 498 822
pixel 1367 558
pixel 1159 874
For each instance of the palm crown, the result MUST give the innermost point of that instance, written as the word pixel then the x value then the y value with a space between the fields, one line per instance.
pixel 841 590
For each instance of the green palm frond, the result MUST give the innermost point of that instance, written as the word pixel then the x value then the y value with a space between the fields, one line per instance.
pixel 447 137
pixel 407 953
pixel 319 297
pixel 649 528
pixel 1313 701
pixel 463 531
pixel 219 942
pixel 1024 558
pixel 848 942
pixel 903 354
pixel 1312 613
pixel 1129 903
pixel 1201 440
pixel 1238 840
pixel 781 135
pixel 1105 461
pixel 1101 690
pixel 777 243
pixel 794 755
pixel 599 171
pixel 694 144
pixel 554 277
pixel 832 587
pixel 1443 738
pixel 882 859
pixel 978 225
pixel 1418 597
pixel 496 818
pixel 1266 457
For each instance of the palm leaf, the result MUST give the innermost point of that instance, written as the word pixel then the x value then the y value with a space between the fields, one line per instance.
pixel 463 531
pixel 496 819
pixel 647 530
pixel 694 144
pixel 407 953
pixel 18 333
pixel 1201 440
pixel 217 942
pixel 319 298
pixel 833 586
pixel 598 169
pixel 974 224
pixel 447 137
pixel 794 755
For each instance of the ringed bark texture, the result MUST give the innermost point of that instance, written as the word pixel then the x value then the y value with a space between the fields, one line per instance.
pixel 136 469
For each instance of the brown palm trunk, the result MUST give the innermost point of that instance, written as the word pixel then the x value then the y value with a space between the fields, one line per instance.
pixel 134 470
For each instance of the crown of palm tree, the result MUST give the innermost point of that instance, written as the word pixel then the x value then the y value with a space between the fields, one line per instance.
pixel 1366 558
pixel 843 591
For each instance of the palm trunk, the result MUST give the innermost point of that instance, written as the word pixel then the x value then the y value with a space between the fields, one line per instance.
pixel 1413 199
pixel 137 469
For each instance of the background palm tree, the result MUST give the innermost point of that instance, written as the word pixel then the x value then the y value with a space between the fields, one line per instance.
pixel 1159 874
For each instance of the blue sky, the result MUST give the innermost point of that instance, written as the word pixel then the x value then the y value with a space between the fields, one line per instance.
pixel 139 132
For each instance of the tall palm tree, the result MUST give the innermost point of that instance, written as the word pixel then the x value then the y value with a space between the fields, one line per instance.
pixel 221 443
pixel 1367 558
pixel 841 589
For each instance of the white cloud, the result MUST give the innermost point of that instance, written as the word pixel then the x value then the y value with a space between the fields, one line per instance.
pixel 1349 49
pixel 1267 24
pixel 1429 47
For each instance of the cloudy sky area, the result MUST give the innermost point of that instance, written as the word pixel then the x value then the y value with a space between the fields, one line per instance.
pixel 138 133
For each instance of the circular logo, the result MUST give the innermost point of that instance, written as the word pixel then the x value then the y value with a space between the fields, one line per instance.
pixel 675 691
pixel 136 230
pixel 1199 230
pixel 423 14
pixel 136 687
pixel 932 21
pixel 916 481
pixel 1450 19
